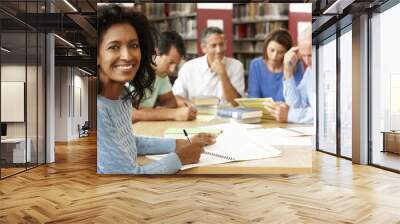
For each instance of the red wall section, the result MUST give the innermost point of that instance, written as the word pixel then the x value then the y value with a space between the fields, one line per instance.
pixel 226 15
pixel 294 18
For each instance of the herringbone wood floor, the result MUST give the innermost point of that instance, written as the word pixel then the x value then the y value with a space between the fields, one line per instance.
pixel 70 191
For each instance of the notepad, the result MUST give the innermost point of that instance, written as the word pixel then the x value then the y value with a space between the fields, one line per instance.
pixel 256 103
pixel 232 145
pixel 178 132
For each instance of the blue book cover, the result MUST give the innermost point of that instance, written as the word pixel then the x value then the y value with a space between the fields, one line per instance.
pixel 240 113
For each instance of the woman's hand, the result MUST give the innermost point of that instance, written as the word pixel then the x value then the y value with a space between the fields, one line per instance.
pixel 186 113
pixel 289 62
pixel 279 110
pixel 190 153
pixel 205 138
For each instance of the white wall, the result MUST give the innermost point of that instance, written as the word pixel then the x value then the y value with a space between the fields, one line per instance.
pixel 33 126
pixel 69 85
pixel 61 104
pixel 14 73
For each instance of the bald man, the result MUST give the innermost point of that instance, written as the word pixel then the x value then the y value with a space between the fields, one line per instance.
pixel 299 101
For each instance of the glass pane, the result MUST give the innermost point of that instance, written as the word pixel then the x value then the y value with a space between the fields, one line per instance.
pixel 31 97
pixel 346 94
pixel 385 89
pixel 32 84
pixel 41 99
pixel 327 97
pixel 13 86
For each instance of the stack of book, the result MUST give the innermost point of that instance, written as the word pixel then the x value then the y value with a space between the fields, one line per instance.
pixel 205 100
pixel 241 115
pixel 256 103
pixel 206 104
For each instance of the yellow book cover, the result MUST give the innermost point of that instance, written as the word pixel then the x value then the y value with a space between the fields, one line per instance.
pixel 256 103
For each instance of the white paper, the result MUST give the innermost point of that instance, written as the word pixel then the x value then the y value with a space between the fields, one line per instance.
pixel 265 136
pixel 304 130
pixel 205 160
pixel 231 126
pixel 205 118
pixel 277 132
pixel 239 145
pixel 233 143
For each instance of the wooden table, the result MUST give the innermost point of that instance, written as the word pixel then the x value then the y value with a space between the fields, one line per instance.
pixel 294 159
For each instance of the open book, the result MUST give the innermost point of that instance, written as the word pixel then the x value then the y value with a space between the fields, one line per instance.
pixel 256 103
pixel 232 145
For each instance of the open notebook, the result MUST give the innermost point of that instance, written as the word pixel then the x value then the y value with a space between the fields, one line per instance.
pixel 232 145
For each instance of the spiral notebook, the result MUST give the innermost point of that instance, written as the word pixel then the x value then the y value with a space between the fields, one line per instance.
pixel 232 146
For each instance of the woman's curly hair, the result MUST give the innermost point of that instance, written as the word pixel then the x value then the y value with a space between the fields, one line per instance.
pixel 111 14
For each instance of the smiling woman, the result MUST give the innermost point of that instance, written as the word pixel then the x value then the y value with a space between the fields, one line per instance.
pixel 125 51
pixel 122 47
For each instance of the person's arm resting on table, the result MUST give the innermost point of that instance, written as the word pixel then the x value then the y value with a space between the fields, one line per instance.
pixel 120 157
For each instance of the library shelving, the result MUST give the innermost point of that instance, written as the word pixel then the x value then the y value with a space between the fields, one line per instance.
pixel 251 24
pixel 178 17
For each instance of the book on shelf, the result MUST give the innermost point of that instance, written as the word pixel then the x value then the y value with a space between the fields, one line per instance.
pixel 185 26
pixel 240 113
pixel 154 11
pixel 181 8
pixel 249 11
pixel 277 9
pixel 173 16
pixel 257 30
pixel 258 104
pixel 243 47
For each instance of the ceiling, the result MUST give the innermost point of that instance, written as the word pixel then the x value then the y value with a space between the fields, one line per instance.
pixel 330 14
pixel 76 24
pixel 75 21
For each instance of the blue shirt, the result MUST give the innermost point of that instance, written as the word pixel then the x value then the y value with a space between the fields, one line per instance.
pixel 118 148
pixel 301 99
pixel 264 83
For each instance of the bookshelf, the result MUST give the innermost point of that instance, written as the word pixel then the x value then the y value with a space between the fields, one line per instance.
pixel 179 17
pixel 251 24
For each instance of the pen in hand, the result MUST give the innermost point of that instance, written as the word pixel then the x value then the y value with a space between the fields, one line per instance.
pixel 187 136
pixel 209 153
